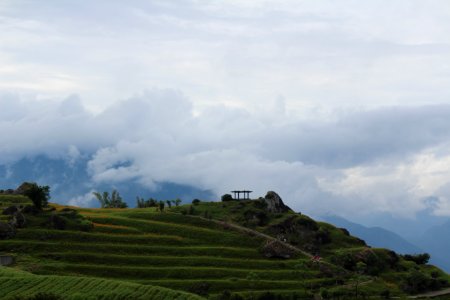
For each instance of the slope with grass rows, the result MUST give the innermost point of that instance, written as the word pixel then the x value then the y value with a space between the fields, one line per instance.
pixel 14 285
pixel 166 249
pixel 217 247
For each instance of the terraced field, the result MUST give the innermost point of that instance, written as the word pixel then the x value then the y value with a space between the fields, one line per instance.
pixel 164 249
pixel 147 254
pixel 14 284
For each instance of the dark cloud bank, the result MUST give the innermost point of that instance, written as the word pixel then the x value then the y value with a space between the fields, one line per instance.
pixel 157 138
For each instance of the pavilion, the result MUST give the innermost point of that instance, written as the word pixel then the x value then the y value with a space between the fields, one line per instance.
pixel 237 195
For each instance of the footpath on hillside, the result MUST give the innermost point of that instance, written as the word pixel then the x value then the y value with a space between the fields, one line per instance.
pixel 252 232
pixel 432 294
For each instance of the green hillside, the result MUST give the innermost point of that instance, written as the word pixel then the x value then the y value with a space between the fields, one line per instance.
pixel 217 250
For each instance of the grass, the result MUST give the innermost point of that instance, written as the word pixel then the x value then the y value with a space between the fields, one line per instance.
pixel 138 249
pixel 15 284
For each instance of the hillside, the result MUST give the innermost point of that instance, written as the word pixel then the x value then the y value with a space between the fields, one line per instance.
pixel 436 240
pixel 217 250
pixel 376 236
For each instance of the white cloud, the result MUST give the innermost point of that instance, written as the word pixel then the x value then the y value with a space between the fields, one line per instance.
pixel 86 200
pixel 357 162
pixel 362 113
pixel 314 53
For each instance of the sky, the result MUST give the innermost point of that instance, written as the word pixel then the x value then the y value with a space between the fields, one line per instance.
pixel 339 106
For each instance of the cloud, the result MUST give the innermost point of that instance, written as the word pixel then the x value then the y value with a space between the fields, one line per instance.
pixel 358 102
pixel 388 159
pixel 360 137
pixel 316 54
pixel 85 200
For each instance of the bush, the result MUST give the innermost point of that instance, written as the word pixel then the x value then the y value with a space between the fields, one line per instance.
pixel 416 282
pixel 226 197
pixel 113 201
pixel 39 195
pixel 57 222
pixel 420 259
pixel 201 288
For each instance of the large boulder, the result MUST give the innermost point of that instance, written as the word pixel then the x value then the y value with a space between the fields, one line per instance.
pixel 277 249
pixel 6 260
pixel 7 231
pixel 18 220
pixel 274 203
pixel 10 210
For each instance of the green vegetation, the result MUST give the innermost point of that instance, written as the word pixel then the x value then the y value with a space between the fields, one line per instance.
pixel 39 195
pixel 17 285
pixel 216 250
pixel 107 201
pixel 226 197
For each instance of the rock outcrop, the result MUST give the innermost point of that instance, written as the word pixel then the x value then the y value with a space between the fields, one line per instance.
pixel 10 210
pixel 18 220
pixel 276 249
pixel 274 203
pixel 6 260
pixel 7 231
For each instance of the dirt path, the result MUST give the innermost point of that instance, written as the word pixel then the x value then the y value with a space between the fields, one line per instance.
pixel 252 232
pixel 432 294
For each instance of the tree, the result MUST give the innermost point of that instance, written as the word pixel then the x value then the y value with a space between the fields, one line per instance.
pixel 226 197
pixel 113 201
pixel 152 202
pixel 169 203
pixel 102 198
pixel 39 195
pixel 177 201
pixel 420 259
pixel 140 202
pixel 161 205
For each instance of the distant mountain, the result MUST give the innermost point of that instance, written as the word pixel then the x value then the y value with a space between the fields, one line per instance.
pixel 70 180
pixel 437 242
pixel 410 228
pixel 375 236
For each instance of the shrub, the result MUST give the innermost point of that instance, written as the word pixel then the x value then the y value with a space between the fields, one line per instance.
pixel 201 288
pixel 113 201
pixel 57 222
pixel 323 236
pixel 420 259
pixel 416 282
pixel 39 195
pixel 260 203
pixel 86 225
pixel 226 197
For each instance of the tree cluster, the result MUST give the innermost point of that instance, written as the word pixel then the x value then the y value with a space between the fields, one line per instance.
pixel 142 203
pixel 420 259
pixel 110 201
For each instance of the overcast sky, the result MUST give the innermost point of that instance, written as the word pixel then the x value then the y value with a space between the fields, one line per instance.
pixel 340 106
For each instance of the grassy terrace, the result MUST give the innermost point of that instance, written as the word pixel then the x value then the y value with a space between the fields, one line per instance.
pixel 152 248
pixel 133 252
pixel 15 284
